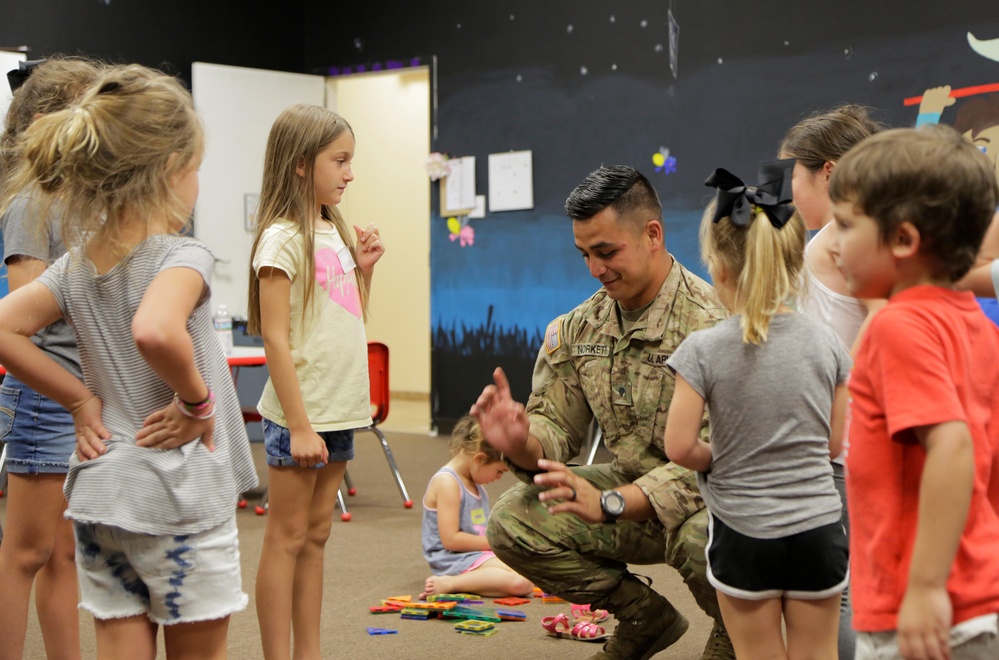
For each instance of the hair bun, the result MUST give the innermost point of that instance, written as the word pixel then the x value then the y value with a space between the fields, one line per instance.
pixel 79 133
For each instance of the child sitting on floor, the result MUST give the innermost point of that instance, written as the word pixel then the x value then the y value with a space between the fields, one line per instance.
pixel 455 510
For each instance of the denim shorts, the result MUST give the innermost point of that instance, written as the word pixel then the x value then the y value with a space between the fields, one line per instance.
pixel 170 579
pixel 277 444
pixel 39 433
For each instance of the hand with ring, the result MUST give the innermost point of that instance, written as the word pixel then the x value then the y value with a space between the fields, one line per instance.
pixel 567 492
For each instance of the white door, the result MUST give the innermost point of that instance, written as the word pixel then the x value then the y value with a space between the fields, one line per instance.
pixel 390 115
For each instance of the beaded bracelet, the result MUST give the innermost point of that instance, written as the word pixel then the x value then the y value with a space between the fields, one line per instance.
pixel 191 411
pixel 200 405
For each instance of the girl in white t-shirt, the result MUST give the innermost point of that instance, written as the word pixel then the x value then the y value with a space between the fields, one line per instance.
pixel 307 299
pixel 817 143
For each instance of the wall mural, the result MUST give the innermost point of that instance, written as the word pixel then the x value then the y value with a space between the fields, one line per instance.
pixel 490 304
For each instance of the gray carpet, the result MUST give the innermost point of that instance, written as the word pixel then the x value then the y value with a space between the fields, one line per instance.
pixel 377 554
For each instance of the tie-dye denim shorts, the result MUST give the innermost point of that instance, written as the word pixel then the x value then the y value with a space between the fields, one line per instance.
pixel 170 579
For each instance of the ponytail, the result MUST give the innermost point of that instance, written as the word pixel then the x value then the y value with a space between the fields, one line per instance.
pixel 764 261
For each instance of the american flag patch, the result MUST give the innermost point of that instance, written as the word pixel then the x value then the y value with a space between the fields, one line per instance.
pixel 553 336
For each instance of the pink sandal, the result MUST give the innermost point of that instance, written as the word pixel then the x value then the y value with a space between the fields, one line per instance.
pixel 582 631
pixel 584 613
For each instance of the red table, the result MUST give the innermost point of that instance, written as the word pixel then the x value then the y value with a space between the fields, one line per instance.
pixel 242 356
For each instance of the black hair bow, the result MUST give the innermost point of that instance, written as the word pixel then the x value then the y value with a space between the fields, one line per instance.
pixel 736 200
pixel 16 77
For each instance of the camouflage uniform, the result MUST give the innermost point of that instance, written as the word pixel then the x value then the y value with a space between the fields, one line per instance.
pixel 589 369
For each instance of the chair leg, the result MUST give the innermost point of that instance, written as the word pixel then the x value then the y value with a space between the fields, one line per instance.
pixel 350 484
pixel 598 436
pixel 406 501
pixel 344 514
pixel 261 508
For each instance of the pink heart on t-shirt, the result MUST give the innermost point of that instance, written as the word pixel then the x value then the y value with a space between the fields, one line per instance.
pixel 341 286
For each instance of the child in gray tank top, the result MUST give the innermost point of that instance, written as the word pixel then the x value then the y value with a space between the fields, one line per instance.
pixel 770 378
pixel 455 511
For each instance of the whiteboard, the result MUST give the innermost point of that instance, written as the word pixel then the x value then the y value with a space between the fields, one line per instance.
pixel 511 181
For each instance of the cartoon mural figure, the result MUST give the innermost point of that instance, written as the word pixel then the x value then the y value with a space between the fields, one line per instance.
pixel 977 119
pixel 987 48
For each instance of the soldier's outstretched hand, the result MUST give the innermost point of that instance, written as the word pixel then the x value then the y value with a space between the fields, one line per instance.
pixel 502 420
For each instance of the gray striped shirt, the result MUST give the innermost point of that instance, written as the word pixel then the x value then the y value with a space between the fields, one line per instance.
pixel 175 491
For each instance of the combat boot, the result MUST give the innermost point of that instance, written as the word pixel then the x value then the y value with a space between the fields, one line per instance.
pixel 719 646
pixel 646 622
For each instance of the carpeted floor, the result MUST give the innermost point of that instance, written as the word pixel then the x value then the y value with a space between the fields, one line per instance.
pixel 377 554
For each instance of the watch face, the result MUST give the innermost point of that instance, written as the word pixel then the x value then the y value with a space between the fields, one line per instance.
pixel 613 502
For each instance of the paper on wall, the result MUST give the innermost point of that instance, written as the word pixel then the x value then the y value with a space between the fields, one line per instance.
pixel 511 181
pixel 460 190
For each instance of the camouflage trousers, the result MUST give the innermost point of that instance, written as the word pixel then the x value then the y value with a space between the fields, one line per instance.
pixel 583 562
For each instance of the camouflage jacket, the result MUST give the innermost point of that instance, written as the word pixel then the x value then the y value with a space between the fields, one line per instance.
pixel 588 368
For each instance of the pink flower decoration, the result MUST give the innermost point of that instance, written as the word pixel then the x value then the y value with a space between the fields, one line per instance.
pixel 466 236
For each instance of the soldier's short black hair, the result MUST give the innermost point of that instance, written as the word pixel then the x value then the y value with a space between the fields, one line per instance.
pixel 620 187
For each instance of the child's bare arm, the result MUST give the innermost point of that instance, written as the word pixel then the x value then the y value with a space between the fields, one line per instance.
pixel 159 329
pixel 448 494
pixel 925 617
pixel 978 280
pixel 837 422
pixel 369 250
pixel 23 313
pixel 683 426
pixel 307 448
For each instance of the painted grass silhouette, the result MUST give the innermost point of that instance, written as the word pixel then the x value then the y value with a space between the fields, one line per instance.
pixel 488 339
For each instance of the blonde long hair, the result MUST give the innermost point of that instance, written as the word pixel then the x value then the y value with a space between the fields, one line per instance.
pixel 112 154
pixel 764 261
pixel 299 133
pixel 52 85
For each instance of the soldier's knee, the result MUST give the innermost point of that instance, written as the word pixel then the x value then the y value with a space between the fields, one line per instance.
pixel 686 552
pixel 505 524
pixel 496 531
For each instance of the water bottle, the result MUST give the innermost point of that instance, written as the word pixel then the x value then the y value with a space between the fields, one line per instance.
pixel 223 328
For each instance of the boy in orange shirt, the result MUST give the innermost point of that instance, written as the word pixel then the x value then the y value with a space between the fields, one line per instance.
pixel 911 208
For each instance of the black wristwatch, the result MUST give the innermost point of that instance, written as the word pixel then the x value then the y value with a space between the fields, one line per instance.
pixel 612 504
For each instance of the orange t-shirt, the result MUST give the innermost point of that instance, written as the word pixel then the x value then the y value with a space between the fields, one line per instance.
pixel 930 356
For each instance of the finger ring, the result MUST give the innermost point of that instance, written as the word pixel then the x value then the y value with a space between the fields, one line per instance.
pixel 573 498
